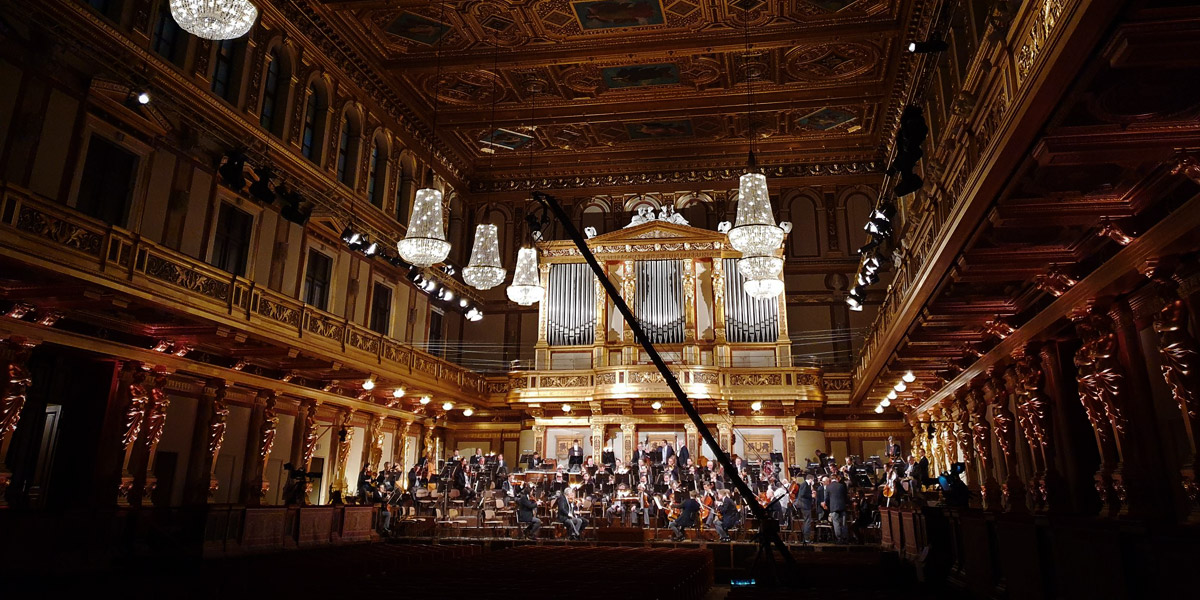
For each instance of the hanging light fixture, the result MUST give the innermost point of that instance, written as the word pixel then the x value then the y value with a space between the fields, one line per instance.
pixel 214 19
pixel 485 272
pixel 424 243
pixel 468 411
pixel 754 231
pixel 885 403
pixel 526 287
pixel 763 289
pixel 447 405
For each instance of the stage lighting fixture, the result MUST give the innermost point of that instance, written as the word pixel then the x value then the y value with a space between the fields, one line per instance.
pixel 372 249
pixel 143 98
pixel 447 294
pixel 296 209
pixel 232 170
pixel 871 264
pixel 429 285
pixel 909 183
pixel 869 278
pixel 448 269
pixel 261 189
pixel 871 245
pixel 855 298
pixel 462 302
pixel 349 236
pixel 413 275
pixel 928 46
pixel 474 314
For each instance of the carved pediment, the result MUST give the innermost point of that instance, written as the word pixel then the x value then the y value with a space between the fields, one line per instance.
pixel 657 230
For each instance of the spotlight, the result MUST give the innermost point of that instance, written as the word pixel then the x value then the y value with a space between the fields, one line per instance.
pixel 871 245
pixel 372 249
pixel 261 188
pixel 295 208
pixel 656 405
pixel 429 285
pixel 413 275
pixel 871 264
pixel 447 405
pixel 892 395
pixel 855 298
pixel 909 183
pixel 909 377
pixel 928 46
pixel 879 409
pixel 885 403
pixel 398 392
pixel 462 302
pixel 868 278
pixel 232 170
pixel 877 226
pixel 566 408
pixel 349 236
pixel 448 269
pixel 474 314
pixel 447 294
pixel 900 387
pixel 369 384
pixel 426 400
pixel 756 406
pixel 468 411
pixel 143 98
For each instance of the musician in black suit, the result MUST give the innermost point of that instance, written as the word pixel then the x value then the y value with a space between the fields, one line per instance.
pixel 689 508
pixel 533 461
pixel 608 458
pixel 730 516
pixel 892 449
pixel 820 507
pixel 837 502
pixel 684 454
pixel 922 472
pixel 575 455
pixel 566 514
pixel 804 503
pixel 525 513
pixel 477 458
pixel 638 455
pixel 667 451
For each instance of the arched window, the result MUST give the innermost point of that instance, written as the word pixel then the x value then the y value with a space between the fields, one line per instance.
pixel 228 56
pixel 377 174
pixel 858 209
pixel 108 8
pixel 274 101
pixel 347 151
pixel 169 40
pixel 406 191
pixel 805 238
pixel 314 124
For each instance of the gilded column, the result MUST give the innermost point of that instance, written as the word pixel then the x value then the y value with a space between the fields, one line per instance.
pixel 1004 425
pixel 542 349
pixel 691 437
pixel 965 440
pixel 597 441
pixel 151 433
pixel 790 433
pixel 373 449
pixel 628 293
pixel 304 435
pixel 691 354
pixel 1180 359
pixel 343 435
pixel 539 440
pixel 629 434
pixel 1100 384
pixel 264 423
pixel 14 352
pixel 600 335
pixel 718 288
pixel 400 449
pixel 135 397
pixel 981 434
pixel 783 345
pixel 430 449
pixel 725 437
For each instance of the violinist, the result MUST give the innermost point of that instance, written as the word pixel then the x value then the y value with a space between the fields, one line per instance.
pixel 729 515
pixel 566 514
pixel 671 472
pixel 526 506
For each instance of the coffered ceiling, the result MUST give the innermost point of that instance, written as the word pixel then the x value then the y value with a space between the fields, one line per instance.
pixel 585 88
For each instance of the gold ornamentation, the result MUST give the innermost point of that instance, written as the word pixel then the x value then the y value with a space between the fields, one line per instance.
pixel 755 379
pixel 186 278
pixel 60 232
pixel 564 381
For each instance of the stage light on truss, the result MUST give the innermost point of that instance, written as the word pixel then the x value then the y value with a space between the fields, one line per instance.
pixel 928 46
pixel 143 98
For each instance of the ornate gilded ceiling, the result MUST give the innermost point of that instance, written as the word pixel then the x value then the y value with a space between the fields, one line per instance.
pixel 564 88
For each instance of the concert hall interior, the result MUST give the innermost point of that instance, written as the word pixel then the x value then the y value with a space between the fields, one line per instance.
pixel 600 298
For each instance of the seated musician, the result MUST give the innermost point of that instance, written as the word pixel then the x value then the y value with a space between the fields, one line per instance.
pixel 501 468
pixel 589 466
pixel 566 514
pixel 709 498
pixel 671 473
pixel 608 458
pixel 533 461
pixel 477 458
pixel 687 517
pixel 648 509
pixel 588 488
pixel 526 506
pixel 729 515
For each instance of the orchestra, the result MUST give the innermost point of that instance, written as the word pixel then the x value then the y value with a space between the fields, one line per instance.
pixel 656 490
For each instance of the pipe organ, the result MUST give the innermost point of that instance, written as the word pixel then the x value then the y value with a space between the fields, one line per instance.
pixel 571 305
pixel 747 319
pixel 658 303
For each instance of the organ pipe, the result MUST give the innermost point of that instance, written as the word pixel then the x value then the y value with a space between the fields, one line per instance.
pixel 571 316
pixel 659 303
pixel 747 319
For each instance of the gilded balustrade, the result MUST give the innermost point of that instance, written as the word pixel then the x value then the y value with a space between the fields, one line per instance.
pixel 78 246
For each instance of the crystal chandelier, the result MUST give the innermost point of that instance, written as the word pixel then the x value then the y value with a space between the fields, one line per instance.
pixel 214 19
pixel 755 231
pixel 425 245
pixel 760 267
pixel 485 272
pixel 763 289
pixel 526 287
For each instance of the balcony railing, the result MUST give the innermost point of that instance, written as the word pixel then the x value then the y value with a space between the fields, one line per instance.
pixel 60 238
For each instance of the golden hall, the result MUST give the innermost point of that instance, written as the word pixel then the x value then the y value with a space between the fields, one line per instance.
pixel 670 299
